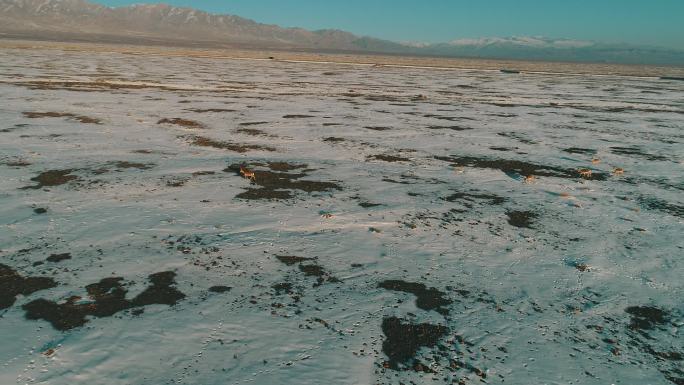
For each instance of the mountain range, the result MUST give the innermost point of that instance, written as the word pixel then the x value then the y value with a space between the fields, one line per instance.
pixel 80 20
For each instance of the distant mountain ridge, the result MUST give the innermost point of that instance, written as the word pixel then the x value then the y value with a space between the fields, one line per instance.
pixel 528 41
pixel 164 22
pixel 81 20
pixel 540 48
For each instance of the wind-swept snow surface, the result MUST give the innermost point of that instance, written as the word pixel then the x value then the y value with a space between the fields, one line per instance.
pixel 197 221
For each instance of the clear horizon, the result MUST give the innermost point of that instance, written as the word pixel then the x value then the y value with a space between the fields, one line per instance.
pixel 629 21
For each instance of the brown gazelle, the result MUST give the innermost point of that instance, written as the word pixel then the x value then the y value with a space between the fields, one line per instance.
pixel 585 173
pixel 247 173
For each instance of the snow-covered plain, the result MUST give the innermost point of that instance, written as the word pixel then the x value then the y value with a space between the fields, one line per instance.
pixel 443 212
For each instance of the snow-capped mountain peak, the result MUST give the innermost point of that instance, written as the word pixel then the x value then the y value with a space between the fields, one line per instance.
pixel 523 41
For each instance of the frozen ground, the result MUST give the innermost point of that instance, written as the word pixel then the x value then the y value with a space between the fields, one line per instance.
pixel 404 226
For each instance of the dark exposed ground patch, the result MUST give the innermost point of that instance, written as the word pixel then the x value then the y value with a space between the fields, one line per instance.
pixel 56 258
pixel 581 151
pixel 504 115
pixel 246 124
pixel 314 270
pixel 453 128
pixel 519 168
pixel 291 260
pixel 265 194
pixel 520 138
pixel 277 185
pixel 149 152
pixel 389 180
pixel 630 109
pixel 52 178
pixel 403 340
pixel 653 203
pixel 309 268
pixel 295 116
pixel 648 337
pixel 252 132
pixel 205 110
pixel 240 148
pixel 220 289
pixel 457 364
pixel 408 179
pixel 203 173
pixel 660 181
pixel 468 198
pixel 160 292
pixel 378 128
pixel 125 165
pixel 13 284
pixel 378 98
pixel 40 210
pixel 108 297
pixel 89 86
pixel 669 356
pixel 282 288
pixel 187 123
pixel 78 118
pixel 676 380
pixel 120 166
pixel 635 151
pixel 449 118
pixel 427 298
pixel 284 166
pixel 368 205
pixel 13 128
pixel 333 139
pixel 389 158
pixel 646 317
pixel 521 219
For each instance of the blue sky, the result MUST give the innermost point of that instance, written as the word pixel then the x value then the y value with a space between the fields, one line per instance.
pixel 652 22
